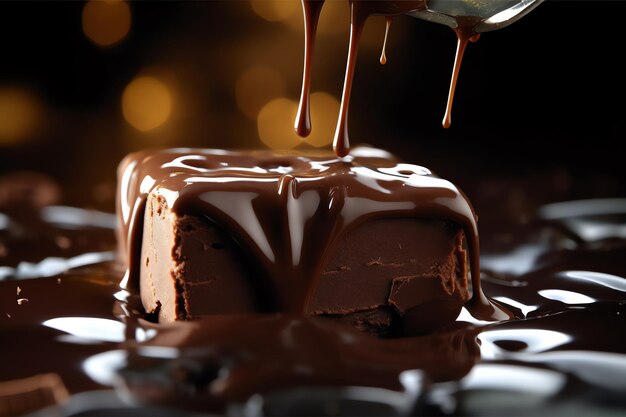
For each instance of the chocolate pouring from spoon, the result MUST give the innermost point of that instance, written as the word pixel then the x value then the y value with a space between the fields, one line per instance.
pixel 469 19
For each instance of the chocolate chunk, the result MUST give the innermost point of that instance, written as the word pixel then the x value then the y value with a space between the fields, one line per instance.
pixel 379 272
pixel 28 190
pixel 365 240
pixel 23 396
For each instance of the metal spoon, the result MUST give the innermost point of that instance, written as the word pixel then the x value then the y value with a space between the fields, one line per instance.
pixel 492 14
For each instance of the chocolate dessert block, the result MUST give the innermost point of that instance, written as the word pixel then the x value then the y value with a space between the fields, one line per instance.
pixel 364 240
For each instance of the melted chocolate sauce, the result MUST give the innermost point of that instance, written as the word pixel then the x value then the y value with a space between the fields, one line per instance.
pixel 465 33
pixel 383 53
pixel 360 11
pixel 311 11
pixel 562 275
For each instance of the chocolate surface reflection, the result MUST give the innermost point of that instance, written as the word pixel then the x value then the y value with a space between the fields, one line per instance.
pixel 562 270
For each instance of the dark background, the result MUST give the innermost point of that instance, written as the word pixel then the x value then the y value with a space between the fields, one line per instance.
pixel 544 96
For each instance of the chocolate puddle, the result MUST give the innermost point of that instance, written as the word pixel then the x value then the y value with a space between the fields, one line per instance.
pixel 563 276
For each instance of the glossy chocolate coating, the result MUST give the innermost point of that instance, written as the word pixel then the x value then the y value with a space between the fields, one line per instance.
pixel 289 211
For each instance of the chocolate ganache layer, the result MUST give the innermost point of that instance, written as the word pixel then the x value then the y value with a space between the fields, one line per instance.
pixel 365 238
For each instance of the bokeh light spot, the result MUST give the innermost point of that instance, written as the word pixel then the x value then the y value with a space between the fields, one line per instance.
pixel 324 113
pixel 146 103
pixel 20 113
pixel 255 87
pixel 275 10
pixel 106 22
pixel 275 124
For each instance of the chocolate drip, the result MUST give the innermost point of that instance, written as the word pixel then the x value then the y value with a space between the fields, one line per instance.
pixel 341 142
pixel 311 11
pixel 383 54
pixel 360 10
pixel 465 33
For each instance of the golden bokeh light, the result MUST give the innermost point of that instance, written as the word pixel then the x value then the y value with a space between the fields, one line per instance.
pixel 324 113
pixel 146 103
pixel 275 124
pixel 20 114
pixel 106 22
pixel 255 87
pixel 275 10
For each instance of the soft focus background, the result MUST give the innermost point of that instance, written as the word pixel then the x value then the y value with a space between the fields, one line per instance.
pixel 84 83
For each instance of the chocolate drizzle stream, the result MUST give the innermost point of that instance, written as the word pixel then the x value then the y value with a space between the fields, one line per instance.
pixel 360 11
pixel 465 33
pixel 383 53
pixel 311 11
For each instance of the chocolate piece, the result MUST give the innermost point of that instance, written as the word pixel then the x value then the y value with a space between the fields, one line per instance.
pixel 227 232
pixel 28 190
pixel 191 268
pixel 22 396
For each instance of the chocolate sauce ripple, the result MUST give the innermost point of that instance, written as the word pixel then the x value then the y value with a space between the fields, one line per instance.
pixel 562 273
